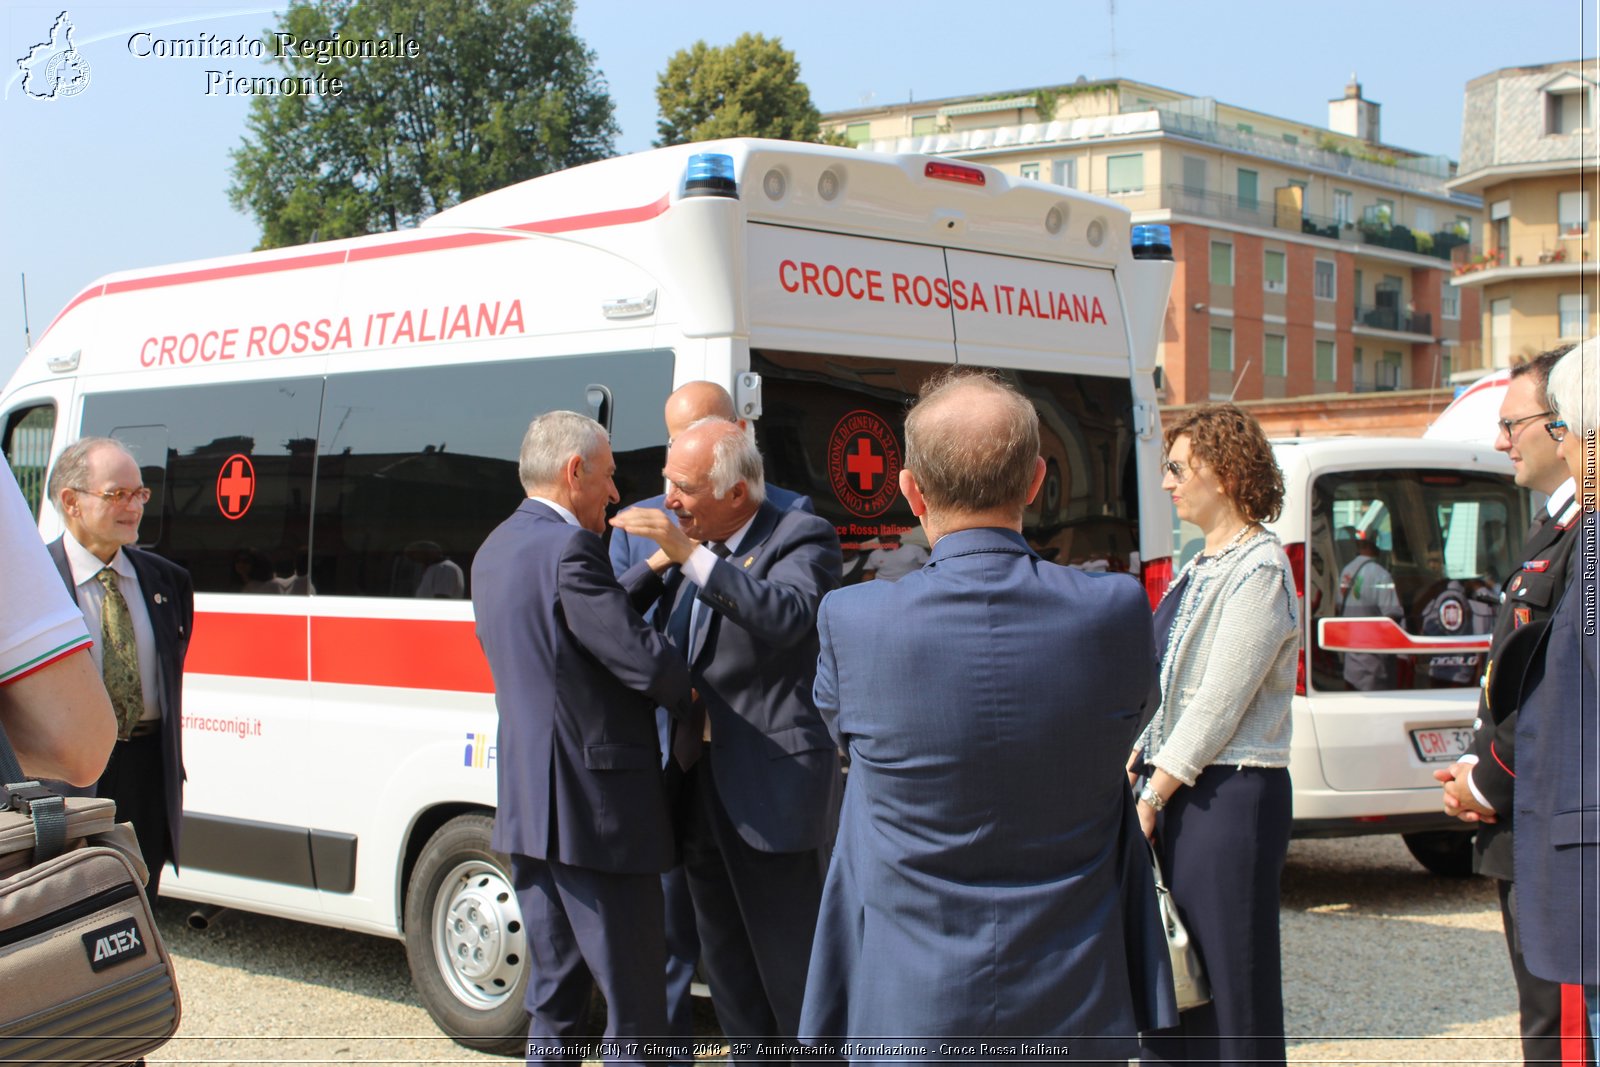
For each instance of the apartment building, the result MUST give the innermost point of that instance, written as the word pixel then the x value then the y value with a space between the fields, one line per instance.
pixel 1528 151
pixel 1310 260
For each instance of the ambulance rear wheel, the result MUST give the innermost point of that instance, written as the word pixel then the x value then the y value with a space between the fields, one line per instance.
pixel 1444 852
pixel 465 940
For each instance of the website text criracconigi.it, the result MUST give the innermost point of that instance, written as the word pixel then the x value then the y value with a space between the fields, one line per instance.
pixel 237 727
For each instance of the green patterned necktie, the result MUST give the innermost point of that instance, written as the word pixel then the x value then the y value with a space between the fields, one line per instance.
pixel 120 662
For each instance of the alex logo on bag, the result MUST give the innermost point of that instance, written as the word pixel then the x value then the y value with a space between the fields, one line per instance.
pixel 114 944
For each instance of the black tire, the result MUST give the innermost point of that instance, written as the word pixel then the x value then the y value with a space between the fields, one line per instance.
pixel 1444 852
pixel 465 940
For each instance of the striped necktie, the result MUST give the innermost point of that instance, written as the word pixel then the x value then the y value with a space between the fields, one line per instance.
pixel 119 663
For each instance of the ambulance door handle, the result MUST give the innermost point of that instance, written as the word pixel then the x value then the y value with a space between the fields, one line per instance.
pixel 599 398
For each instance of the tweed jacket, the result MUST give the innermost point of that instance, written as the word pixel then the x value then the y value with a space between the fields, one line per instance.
pixel 1227 677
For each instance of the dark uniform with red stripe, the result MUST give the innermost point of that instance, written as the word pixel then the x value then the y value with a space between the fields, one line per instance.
pixel 1529 594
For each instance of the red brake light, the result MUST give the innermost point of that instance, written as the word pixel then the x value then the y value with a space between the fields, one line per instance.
pixel 954 172
pixel 1297 566
pixel 1157 575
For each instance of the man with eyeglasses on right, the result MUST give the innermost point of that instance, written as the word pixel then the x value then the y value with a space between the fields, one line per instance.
pixel 140 611
pixel 1478 789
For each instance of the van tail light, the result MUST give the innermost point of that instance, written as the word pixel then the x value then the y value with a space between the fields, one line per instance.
pixel 954 172
pixel 1297 567
pixel 1157 575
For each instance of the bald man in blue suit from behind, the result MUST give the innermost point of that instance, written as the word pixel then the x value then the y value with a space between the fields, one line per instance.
pixel 989 879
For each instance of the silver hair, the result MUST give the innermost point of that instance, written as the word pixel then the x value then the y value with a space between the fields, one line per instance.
pixel 551 440
pixel 1575 388
pixel 72 468
pixel 734 459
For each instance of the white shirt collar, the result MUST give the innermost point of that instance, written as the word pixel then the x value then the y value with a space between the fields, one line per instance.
pixel 1559 499
pixel 85 564
pixel 737 540
pixel 566 515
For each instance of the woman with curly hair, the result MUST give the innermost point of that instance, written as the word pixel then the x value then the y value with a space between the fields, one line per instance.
pixel 1215 799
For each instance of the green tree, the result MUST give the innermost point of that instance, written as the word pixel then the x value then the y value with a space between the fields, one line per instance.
pixel 499 91
pixel 750 88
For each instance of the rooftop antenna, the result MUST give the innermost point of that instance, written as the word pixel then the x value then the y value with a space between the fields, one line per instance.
pixel 1239 380
pixel 1111 5
pixel 27 334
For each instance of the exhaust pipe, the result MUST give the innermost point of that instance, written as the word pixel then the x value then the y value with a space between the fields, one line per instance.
pixel 202 917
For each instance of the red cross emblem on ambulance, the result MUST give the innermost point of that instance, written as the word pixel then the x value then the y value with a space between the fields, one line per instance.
pixel 236 486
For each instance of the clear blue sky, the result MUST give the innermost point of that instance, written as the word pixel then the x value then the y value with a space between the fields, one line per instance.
pixel 132 171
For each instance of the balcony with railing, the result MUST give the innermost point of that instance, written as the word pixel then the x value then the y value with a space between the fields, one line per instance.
pixel 1524 257
pixel 1374 229
pixel 1389 317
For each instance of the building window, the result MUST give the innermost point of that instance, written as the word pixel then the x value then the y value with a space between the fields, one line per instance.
pixel 1194 175
pixel 1031 171
pixel 1449 300
pixel 1564 112
pixel 1290 138
pixel 1125 174
pixel 1572 213
pixel 1344 207
pixel 1324 367
pixel 1245 127
pixel 1221 263
pixel 1273 276
pixel 1424 222
pixel 1221 348
pixel 1065 172
pixel 1388 369
pixel 857 132
pixel 1273 355
pixel 1249 187
pixel 1357 365
pixel 1573 311
pixel 924 125
pixel 1323 277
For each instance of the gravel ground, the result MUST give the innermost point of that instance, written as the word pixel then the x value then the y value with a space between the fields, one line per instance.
pixel 1376 958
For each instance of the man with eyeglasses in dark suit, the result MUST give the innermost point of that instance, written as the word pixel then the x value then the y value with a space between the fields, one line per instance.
pixel 140 611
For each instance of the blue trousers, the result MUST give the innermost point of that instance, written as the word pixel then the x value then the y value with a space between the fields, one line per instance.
pixel 1222 845
pixel 590 928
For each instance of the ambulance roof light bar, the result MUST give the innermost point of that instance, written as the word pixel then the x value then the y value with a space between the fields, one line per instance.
pixel 710 174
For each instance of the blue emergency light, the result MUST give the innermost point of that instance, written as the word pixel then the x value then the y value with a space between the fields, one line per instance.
pixel 1152 241
pixel 710 174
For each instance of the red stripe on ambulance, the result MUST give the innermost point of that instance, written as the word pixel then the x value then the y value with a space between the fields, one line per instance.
pixel 443 242
pixel 395 653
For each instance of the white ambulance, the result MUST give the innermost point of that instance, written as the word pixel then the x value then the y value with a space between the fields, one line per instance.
pixel 330 431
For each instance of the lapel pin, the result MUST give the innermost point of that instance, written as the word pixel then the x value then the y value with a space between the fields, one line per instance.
pixel 749 561
pixel 159 598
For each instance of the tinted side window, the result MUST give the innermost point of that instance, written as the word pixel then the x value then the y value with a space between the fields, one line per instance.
pixel 833 427
pixel 1426 548
pixel 230 468
pixel 418 466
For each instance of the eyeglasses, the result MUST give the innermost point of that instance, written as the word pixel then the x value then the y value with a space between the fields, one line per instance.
pixel 1508 425
pixel 1557 430
pixel 1179 472
pixel 118 497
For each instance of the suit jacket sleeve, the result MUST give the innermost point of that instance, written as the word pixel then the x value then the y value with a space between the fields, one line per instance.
pixel 1494 743
pixel 780 609
pixel 825 691
pixel 600 617
pixel 621 549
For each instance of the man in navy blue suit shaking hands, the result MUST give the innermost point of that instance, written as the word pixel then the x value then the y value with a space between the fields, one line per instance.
pixel 582 810
pixel 989 879
pixel 736 584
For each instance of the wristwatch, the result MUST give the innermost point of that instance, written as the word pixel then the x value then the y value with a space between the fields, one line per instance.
pixel 1149 796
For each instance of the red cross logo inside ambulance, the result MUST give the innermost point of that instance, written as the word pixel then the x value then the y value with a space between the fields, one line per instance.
pixel 864 464
pixel 236 486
